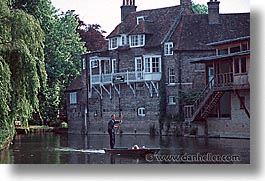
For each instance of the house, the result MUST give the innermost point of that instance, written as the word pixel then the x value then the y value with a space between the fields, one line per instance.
pixel 76 105
pixel 224 105
pixel 145 73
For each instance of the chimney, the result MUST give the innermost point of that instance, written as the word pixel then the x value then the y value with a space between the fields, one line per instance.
pixel 186 3
pixel 213 12
pixel 127 7
pixel 187 6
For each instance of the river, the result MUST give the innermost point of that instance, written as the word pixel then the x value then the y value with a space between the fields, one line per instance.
pixel 88 149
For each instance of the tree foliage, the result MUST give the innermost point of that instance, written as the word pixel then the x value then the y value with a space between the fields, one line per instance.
pixel 62 50
pixel 21 64
pixel 199 8
pixel 62 53
pixel 92 35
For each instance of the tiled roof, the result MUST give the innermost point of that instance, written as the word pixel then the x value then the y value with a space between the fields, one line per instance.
pixel 158 23
pixel 144 27
pixel 194 32
pixel 77 84
pixel 219 57
pixel 229 41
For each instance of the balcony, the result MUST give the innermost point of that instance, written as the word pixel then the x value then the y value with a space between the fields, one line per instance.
pixel 125 77
pixel 212 93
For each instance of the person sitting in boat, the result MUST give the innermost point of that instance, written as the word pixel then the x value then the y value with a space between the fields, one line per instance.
pixel 111 129
pixel 135 147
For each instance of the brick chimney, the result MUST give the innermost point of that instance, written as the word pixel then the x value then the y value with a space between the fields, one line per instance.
pixel 186 3
pixel 127 7
pixel 213 12
pixel 187 6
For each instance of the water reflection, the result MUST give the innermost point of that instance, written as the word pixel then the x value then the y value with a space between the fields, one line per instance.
pixel 80 149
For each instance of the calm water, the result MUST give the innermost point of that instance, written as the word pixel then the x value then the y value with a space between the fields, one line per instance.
pixel 78 149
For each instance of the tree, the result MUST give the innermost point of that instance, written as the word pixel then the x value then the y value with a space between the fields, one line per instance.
pixel 63 48
pixel 63 53
pixel 199 8
pixel 21 64
pixel 92 35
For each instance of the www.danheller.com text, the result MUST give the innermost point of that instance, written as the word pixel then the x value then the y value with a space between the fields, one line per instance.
pixel 192 158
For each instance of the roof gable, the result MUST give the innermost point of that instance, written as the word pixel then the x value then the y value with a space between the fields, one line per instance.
pixel 157 23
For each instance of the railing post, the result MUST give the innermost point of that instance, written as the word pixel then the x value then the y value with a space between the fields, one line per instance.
pixel 127 77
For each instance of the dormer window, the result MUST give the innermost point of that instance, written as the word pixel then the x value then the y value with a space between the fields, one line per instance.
pixel 113 43
pixel 168 48
pixel 124 40
pixel 137 40
pixel 140 19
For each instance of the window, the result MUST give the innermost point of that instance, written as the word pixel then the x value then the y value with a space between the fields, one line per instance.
pixel 141 111
pixel 139 68
pixel 113 43
pixel 243 65
pixel 94 64
pixel 240 65
pixel 235 49
pixel 223 51
pixel 147 65
pixel 171 76
pixel 168 48
pixel 244 46
pixel 73 96
pixel 172 100
pixel 140 19
pixel 84 63
pixel 124 40
pixel 137 40
pixel 114 66
pixel 153 64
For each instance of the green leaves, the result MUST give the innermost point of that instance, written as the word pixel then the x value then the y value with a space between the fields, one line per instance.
pixel 22 71
pixel 63 49
pixel 199 8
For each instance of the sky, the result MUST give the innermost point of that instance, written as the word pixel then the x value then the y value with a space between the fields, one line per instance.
pixel 106 13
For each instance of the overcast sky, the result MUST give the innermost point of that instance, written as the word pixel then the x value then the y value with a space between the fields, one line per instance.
pixel 107 12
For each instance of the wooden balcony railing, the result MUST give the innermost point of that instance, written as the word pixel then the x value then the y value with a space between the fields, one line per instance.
pixel 218 82
pixel 223 80
pixel 125 77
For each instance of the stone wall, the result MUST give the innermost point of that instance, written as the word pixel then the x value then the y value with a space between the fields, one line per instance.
pixel 236 126
pixel 128 105
pixel 189 78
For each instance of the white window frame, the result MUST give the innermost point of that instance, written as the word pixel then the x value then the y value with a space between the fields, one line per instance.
pixel 140 19
pixel 141 111
pixel 123 40
pixel 172 100
pixel 171 76
pixel 113 43
pixel 168 48
pixel 114 67
pixel 139 68
pixel 137 40
pixel 239 65
pixel 149 66
pixel 94 63
pixel 84 63
pixel 73 97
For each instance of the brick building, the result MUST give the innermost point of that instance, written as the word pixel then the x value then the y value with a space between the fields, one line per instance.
pixel 145 72
pixel 223 107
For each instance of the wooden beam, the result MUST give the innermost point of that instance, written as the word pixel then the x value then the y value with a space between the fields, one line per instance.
pixel 242 103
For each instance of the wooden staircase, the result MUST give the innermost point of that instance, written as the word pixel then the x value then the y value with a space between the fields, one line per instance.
pixel 204 104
